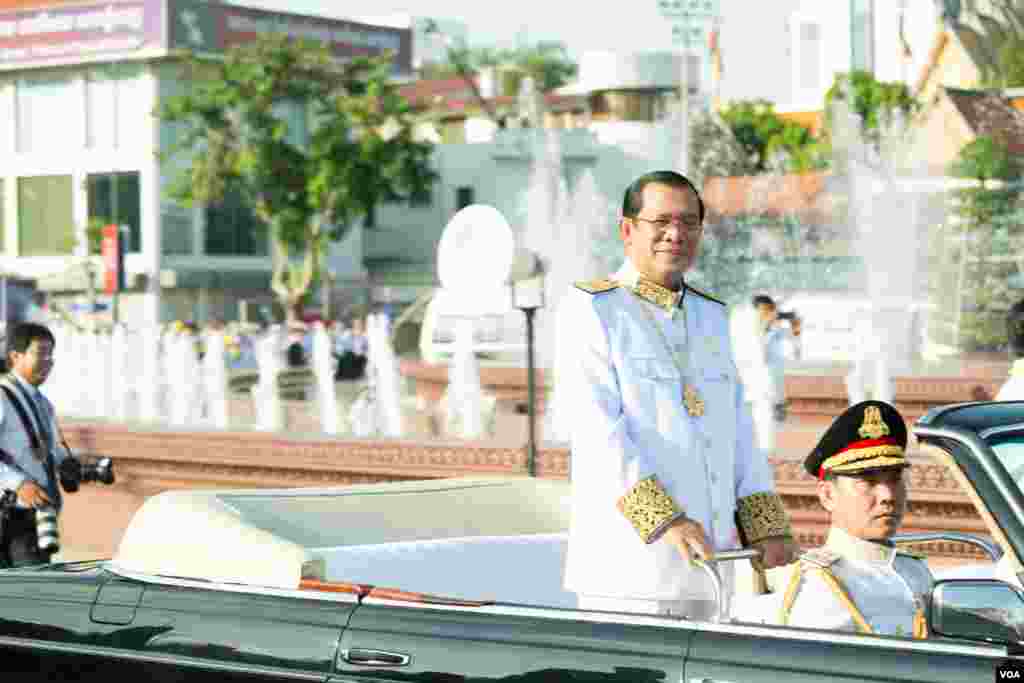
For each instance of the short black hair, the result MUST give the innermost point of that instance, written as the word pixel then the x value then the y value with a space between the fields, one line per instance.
pixel 1015 329
pixel 633 201
pixel 762 299
pixel 22 335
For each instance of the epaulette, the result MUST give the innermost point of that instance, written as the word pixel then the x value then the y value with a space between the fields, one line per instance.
pixel 819 557
pixel 599 286
pixel 705 295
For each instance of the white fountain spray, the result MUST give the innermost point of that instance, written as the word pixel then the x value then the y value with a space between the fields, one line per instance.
pixel 266 395
pixel 464 399
pixel 215 380
pixel 323 369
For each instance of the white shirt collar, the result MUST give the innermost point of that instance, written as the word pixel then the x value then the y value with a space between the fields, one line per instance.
pixel 29 389
pixel 851 547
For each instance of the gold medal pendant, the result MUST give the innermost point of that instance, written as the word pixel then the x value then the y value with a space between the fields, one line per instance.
pixel 694 403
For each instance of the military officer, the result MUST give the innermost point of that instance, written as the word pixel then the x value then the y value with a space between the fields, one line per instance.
pixel 664 463
pixel 858 581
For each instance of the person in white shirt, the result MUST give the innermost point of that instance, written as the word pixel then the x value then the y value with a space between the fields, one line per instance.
pixel 664 464
pixel 33 459
pixel 776 341
pixel 858 581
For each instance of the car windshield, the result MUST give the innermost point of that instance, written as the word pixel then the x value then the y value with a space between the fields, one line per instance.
pixel 1010 451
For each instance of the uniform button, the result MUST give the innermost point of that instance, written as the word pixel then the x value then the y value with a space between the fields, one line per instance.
pixel 714 478
pixel 707 442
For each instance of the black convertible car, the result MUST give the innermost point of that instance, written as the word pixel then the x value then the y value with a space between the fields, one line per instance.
pixel 460 580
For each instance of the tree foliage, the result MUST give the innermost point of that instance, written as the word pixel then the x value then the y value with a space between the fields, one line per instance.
pixel 772 144
pixel 990 231
pixel 985 158
pixel 875 102
pixel 548 62
pixel 309 177
pixel 995 29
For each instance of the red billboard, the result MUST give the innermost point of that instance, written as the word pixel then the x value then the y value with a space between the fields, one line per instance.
pixel 113 259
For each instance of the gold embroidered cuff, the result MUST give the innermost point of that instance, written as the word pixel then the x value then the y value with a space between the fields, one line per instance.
pixel 761 516
pixel 647 507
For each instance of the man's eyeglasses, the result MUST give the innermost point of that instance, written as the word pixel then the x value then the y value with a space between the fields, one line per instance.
pixel 690 224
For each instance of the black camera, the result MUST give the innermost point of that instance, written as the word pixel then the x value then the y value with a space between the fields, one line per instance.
pixel 74 472
pixel 787 315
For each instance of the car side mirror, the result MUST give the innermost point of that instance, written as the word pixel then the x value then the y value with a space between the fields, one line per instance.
pixel 977 609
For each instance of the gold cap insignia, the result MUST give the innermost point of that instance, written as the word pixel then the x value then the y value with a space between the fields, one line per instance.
pixel 873 426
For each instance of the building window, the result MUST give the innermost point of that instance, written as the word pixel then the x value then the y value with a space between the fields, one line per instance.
pixel 117 109
pixel 463 197
pixel 115 198
pixel 45 216
pixel 862 35
pixel 232 229
pixel 808 60
pixel 48 112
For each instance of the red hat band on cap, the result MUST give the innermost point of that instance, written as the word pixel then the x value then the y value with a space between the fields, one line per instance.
pixel 852 453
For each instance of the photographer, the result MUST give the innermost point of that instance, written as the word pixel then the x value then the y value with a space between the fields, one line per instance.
pixel 778 336
pixel 32 458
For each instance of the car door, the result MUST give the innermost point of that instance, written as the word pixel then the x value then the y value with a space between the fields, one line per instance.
pixel 735 653
pixel 391 641
pixel 46 627
pixel 229 635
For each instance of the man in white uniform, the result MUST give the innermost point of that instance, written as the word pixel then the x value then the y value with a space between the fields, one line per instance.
pixel 664 465
pixel 858 581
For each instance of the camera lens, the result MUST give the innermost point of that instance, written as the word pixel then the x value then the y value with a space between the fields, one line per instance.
pixel 46 530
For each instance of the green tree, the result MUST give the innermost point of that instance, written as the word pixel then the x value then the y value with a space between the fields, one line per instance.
pixel 548 62
pixel 308 189
pixel 771 142
pixel 874 101
pixel 995 30
pixel 989 226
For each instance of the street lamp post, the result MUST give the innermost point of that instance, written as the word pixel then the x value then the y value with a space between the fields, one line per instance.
pixel 528 296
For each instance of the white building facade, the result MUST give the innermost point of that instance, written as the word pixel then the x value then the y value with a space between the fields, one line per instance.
pixel 79 142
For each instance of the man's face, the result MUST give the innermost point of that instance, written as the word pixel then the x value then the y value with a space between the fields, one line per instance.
pixel 869 506
pixel 767 313
pixel 35 363
pixel 662 240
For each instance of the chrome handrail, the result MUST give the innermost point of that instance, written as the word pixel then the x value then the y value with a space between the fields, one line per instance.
pixel 710 568
pixel 991 549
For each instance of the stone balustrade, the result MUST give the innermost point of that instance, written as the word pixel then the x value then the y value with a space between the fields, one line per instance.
pixel 148 461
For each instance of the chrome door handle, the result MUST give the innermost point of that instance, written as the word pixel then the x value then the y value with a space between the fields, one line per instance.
pixel 359 656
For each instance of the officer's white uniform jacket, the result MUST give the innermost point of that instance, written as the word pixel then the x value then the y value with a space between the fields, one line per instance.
pixel 16 442
pixel 622 393
pixel 888 588
pixel 1013 389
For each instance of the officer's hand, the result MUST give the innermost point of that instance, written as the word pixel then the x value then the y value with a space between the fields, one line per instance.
pixel 30 494
pixel 689 539
pixel 775 552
